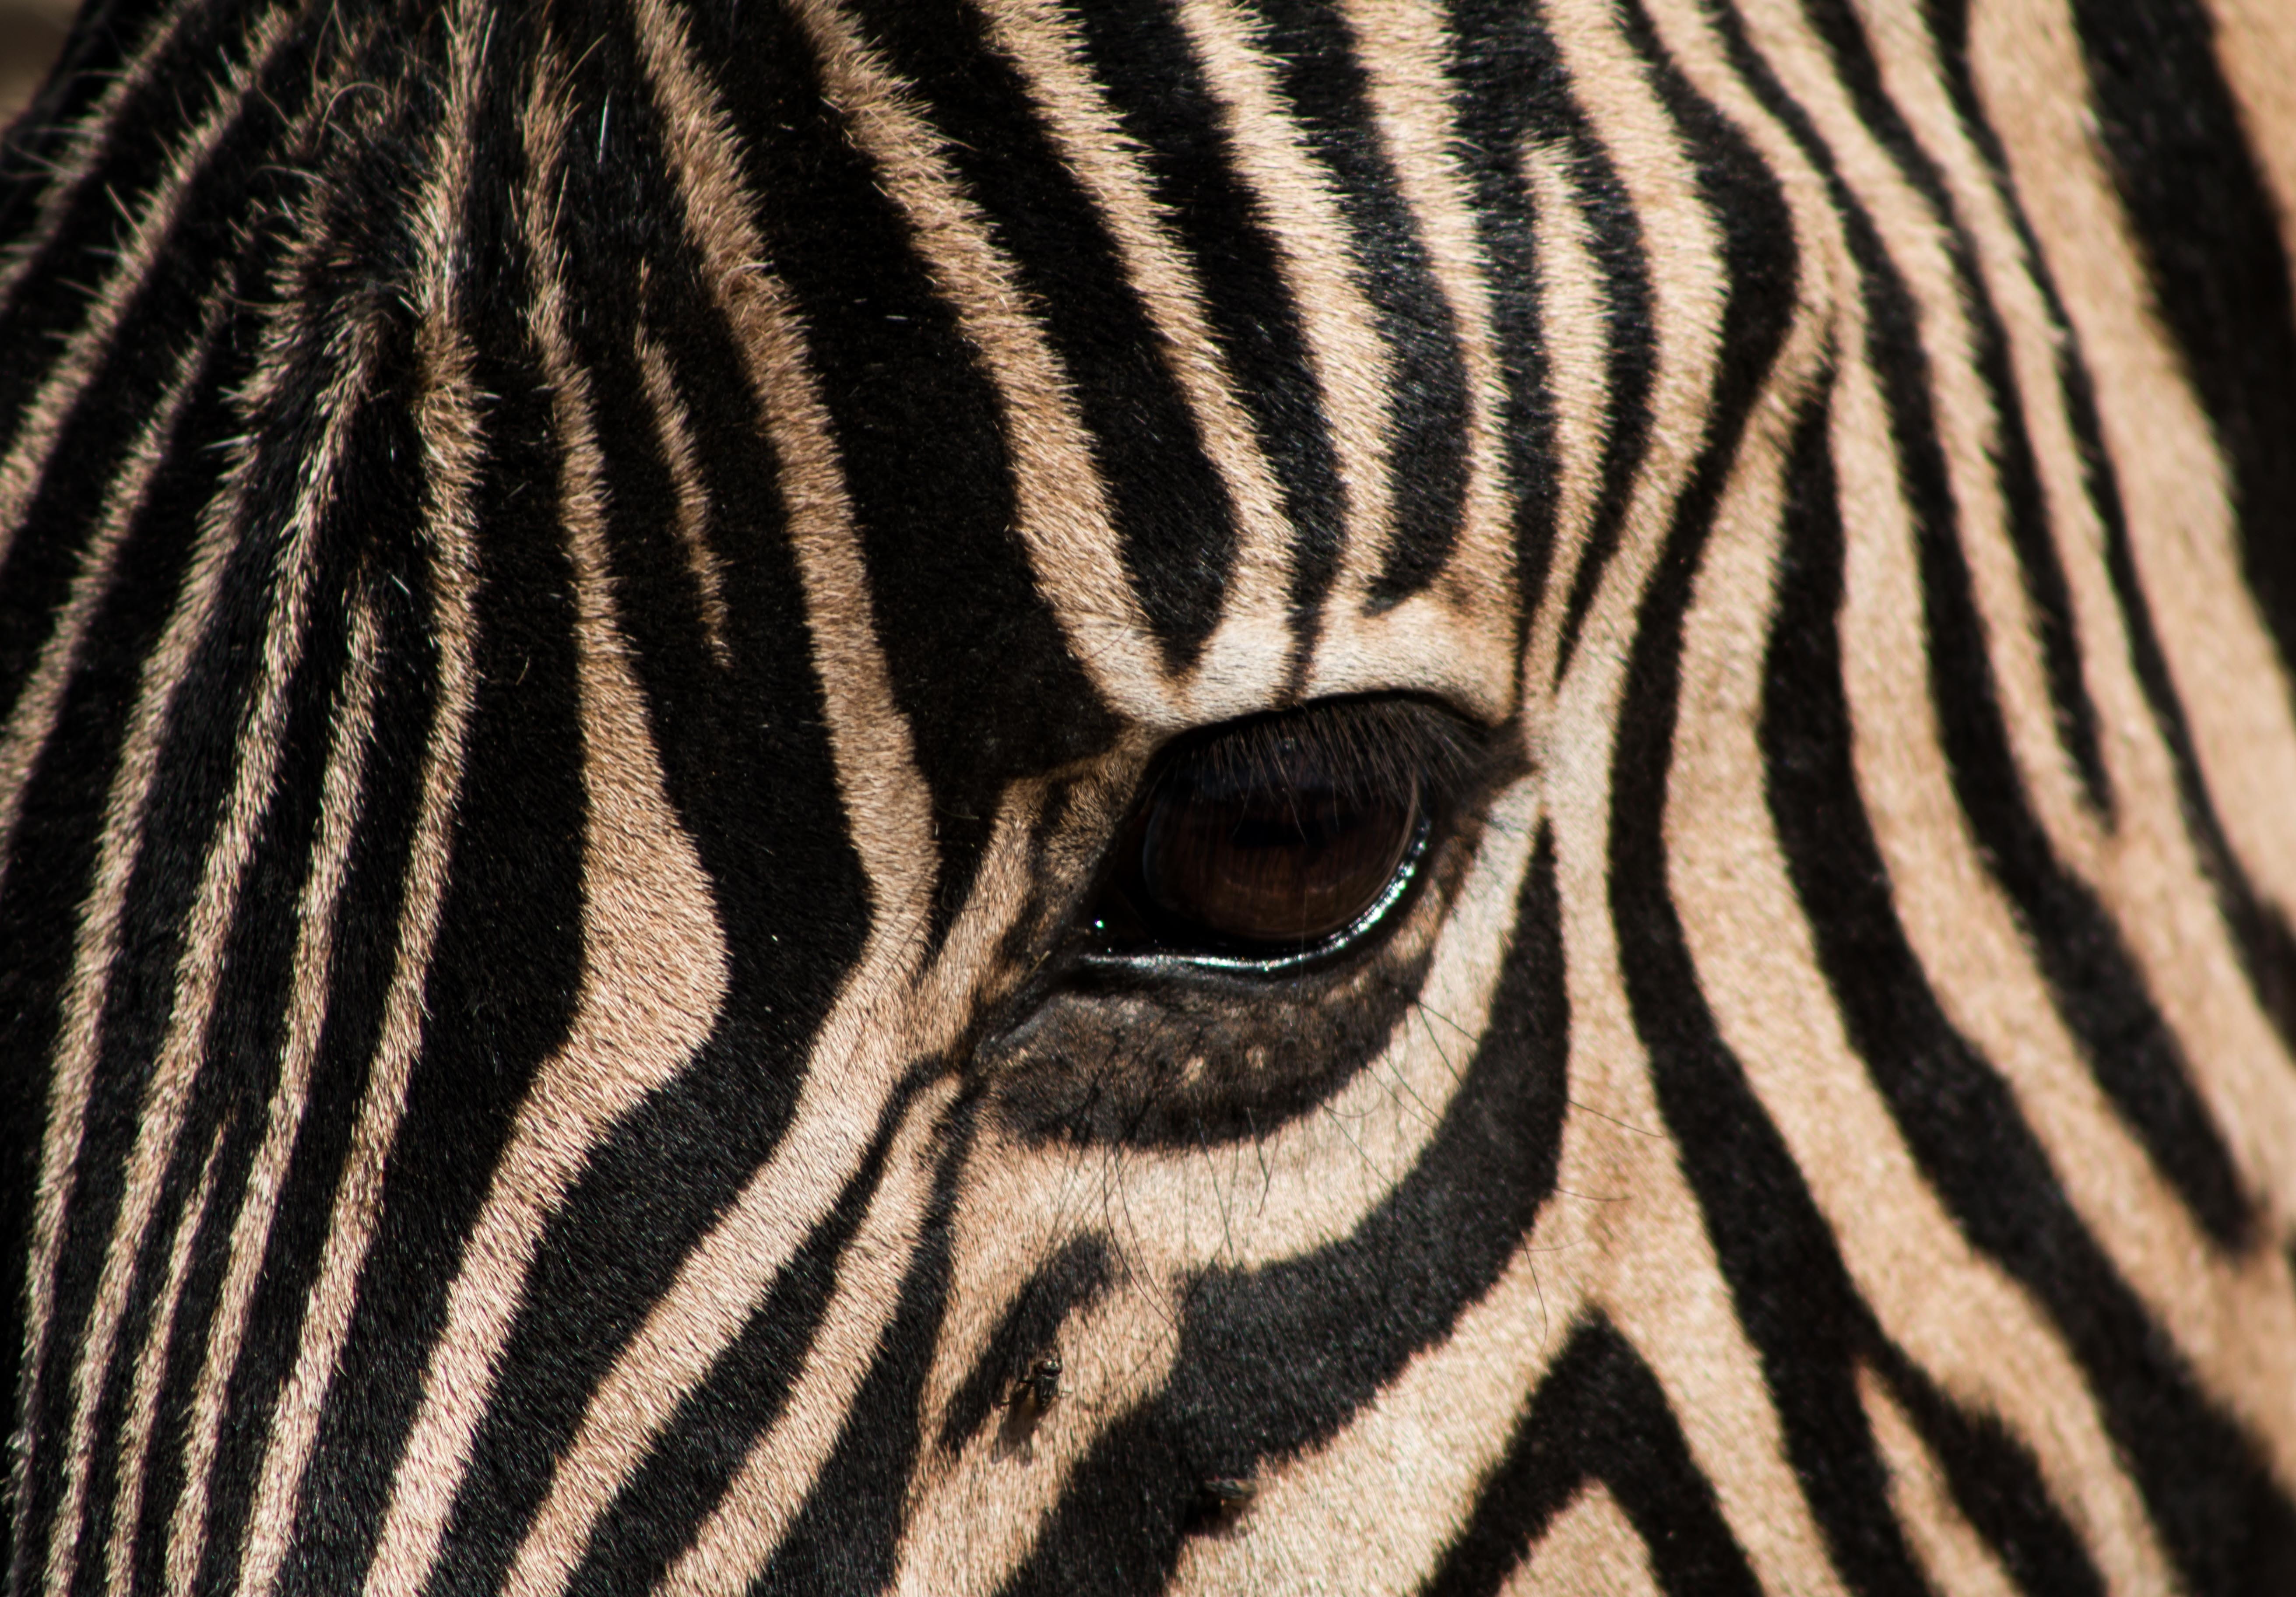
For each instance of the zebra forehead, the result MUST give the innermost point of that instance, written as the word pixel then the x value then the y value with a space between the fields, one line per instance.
pixel 1243 447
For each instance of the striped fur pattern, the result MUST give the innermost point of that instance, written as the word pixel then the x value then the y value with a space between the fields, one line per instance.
pixel 584 587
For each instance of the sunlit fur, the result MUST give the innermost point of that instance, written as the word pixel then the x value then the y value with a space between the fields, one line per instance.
pixel 586 589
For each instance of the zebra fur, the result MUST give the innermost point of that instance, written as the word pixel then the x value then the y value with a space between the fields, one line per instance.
pixel 586 590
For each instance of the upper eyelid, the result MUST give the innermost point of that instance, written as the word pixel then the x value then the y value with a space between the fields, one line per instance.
pixel 1427 742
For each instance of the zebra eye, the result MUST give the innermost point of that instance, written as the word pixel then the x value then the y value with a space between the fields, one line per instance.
pixel 1281 836
pixel 1285 853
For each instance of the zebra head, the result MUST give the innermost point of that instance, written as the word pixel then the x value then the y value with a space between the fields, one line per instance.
pixel 870 795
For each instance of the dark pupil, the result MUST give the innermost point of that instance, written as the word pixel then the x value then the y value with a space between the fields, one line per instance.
pixel 1283 854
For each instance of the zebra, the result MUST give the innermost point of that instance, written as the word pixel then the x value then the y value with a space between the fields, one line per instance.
pixel 1018 796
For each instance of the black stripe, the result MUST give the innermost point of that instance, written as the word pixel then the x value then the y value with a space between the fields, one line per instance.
pixel 246 1044
pixel 507 960
pixel 366 943
pixel 1997 1485
pixel 978 665
pixel 1511 90
pixel 2027 517
pixel 1275 1360
pixel 246 1034
pixel 156 336
pixel 2209 230
pixel 1317 71
pixel 195 771
pixel 104 37
pixel 1615 240
pixel 1600 1417
pixel 746 764
pixel 53 852
pixel 1151 79
pixel 2103 999
pixel 2191 1463
pixel 2260 933
pixel 660 1509
pixel 1774 1247
pixel 236 188
pixel 1958 1119
pixel 146 1265
pixel 2265 941
pixel 1172 511
pixel 847 1536
pixel 2185 1457
pixel 2218 265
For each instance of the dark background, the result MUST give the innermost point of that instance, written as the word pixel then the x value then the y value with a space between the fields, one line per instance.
pixel 31 31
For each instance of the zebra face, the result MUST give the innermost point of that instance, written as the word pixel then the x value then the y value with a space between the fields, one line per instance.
pixel 1012 797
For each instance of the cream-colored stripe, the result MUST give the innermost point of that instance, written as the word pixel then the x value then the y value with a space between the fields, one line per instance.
pixel 1681 245
pixel 1313 1181
pixel 1243 661
pixel 1590 1550
pixel 1373 1509
pixel 1573 317
pixel 1370 1511
pixel 1951 1308
pixel 447 421
pixel 1954 1310
pixel 971 1521
pixel 2234 1318
pixel 450 440
pixel 861 1046
pixel 314 967
pixel 1062 514
pixel 1446 641
pixel 1295 200
pixel 1660 1283
pixel 654 958
pixel 2256 51
pixel 733 1543
pixel 182 1052
pixel 96 934
pixel 2173 491
pixel 450 432
pixel 33 720
pixel 445 413
pixel 1401 47
pixel 1905 54
pixel 691 517
pixel 854 1068
pixel 1639 1250
pixel 1952 1554
pixel 1967 428
pixel 151 1369
pixel 133 263
pixel 1970 945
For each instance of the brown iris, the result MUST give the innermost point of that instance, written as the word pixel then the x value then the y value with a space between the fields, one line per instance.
pixel 1275 835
